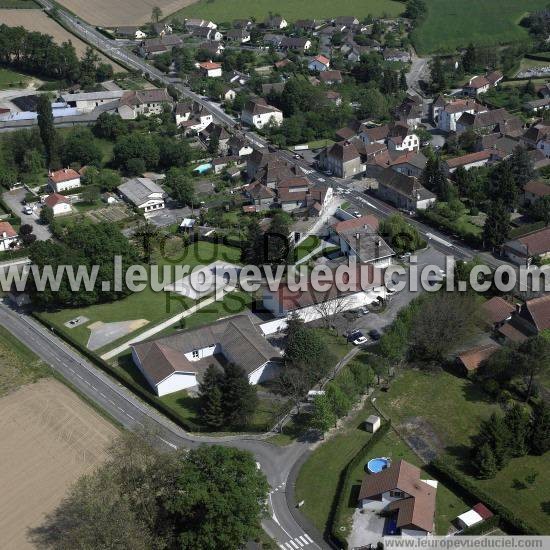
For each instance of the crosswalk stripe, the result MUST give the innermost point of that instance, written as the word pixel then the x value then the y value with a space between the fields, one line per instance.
pixel 304 539
pixel 289 546
pixel 308 537
pixel 294 544
pixel 299 541
pixel 281 546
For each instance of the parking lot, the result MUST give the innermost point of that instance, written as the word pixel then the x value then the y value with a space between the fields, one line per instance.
pixel 14 200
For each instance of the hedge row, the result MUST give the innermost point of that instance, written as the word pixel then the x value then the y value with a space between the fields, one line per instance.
pixel 436 220
pixel 538 57
pixel 136 388
pixel 462 485
pixel 344 485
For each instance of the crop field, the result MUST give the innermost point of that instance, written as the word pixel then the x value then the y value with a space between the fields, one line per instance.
pixel 38 21
pixel 107 13
pixel 227 10
pixel 450 24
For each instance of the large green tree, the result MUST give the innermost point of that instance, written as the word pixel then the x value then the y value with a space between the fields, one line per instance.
pixel 239 396
pixel 497 224
pixel 47 130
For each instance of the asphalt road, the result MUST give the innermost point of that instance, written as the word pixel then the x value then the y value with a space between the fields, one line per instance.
pixel 276 462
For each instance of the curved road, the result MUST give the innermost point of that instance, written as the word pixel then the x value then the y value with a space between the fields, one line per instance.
pixel 276 462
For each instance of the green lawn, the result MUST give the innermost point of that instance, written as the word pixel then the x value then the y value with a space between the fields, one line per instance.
pixel 317 481
pixel 452 408
pixel 150 305
pixel 450 25
pixel 226 10
pixel 11 79
pixel 307 246
pixel 19 365
pixel 531 64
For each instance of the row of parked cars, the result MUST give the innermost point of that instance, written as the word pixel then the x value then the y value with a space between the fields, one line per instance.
pixel 357 338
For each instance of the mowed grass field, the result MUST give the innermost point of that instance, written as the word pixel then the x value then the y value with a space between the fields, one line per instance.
pixel 36 20
pixel 227 10
pixel 11 79
pixel 451 24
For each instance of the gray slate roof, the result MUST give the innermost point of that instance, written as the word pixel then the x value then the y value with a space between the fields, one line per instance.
pixel 138 190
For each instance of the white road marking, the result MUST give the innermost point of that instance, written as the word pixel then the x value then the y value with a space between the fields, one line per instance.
pixel 308 537
pixel 167 442
pixel 303 539
pixel 294 544
pixel 299 541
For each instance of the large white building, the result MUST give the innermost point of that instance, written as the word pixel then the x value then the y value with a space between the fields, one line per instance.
pixel 143 193
pixel 258 113
pixel 178 362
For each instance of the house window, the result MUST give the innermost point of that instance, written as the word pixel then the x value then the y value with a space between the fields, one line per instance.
pixel 195 354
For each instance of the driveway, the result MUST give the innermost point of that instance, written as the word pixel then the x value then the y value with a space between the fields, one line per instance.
pixel 169 215
pixel 367 528
pixel 13 200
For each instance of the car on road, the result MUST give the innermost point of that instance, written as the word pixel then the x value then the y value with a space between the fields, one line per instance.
pixel 365 310
pixel 322 180
pixel 374 334
pixel 28 210
pixel 357 338
pixel 357 214
pixel 360 340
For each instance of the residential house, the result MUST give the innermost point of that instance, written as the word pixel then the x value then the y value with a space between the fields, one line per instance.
pixel 212 48
pixel 207 33
pixel 396 55
pixel 343 159
pixel 481 84
pixel 399 492
pixel 309 305
pixel 157 46
pixel 221 163
pixel 276 22
pixel 242 35
pixel 133 33
pixel 63 180
pixel 295 43
pixel 505 145
pixel 402 139
pixel 528 320
pixel 144 102
pixel 237 78
pixel 330 77
pixel 490 122
pixel 143 193
pixel 334 97
pixel 410 111
pixel 405 192
pixel 525 249
pixel 258 113
pixel 308 24
pixel 497 311
pixel 243 23
pixel 239 146
pixel 537 105
pixel 538 137
pixel 261 197
pixel 471 160
pixel 59 204
pixel 273 87
pixel 179 361
pixel 8 237
pixel 210 69
pixel 375 134
pixel 273 40
pixel 447 116
pixel 411 163
pixel 319 63
pixel 228 93
pixel 257 161
pixel 191 23
pixel 219 133
pixel 470 360
pixel 534 190
pixel 345 21
pixel 358 239
pixel 194 117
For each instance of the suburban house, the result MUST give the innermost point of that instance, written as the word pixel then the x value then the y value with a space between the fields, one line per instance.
pixel 319 63
pixel 143 193
pixel 193 116
pixel 239 146
pixel 59 204
pixel 529 319
pixel 219 133
pixel 403 191
pixel 410 111
pixel 357 238
pixel 402 139
pixel 210 69
pixel 535 190
pixel 524 249
pixel 8 237
pixel 481 84
pixel 276 22
pixel 497 311
pixel 470 360
pixel 63 180
pixel 400 492
pixel 258 113
pixel 490 122
pixel 295 43
pixel 471 160
pixel 330 77
pixel 310 305
pixel 241 35
pixel 157 46
pixel 207 33
pixel 178 362
pixel 144 102
pixel 446 117
pixel 538 137
pixel 134 33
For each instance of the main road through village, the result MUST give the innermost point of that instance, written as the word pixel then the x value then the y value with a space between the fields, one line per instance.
pixel 285 524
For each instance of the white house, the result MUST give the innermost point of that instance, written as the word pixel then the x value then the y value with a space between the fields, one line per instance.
pixel 63 180
pixel 319 63
pixel 59 204
pixel 398 492
pixel 8 236
pixel 276 22
pixel 143 193
pixel 258 113
pixel 193 116
pixel 210 69
pixel 143 102
pixel 452 111
pixel 410 142
pixel 179 361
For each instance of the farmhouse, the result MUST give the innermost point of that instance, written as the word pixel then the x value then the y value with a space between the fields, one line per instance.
pixel 399 492
pixel 143 102
pixel 295 43
pixel 63 180
pixel 276 22
pixel 178 362
pixel 8 236
pixel 130 32
pixel 206 33
pixel 238 35
pixel 143 193
pixel 59 204
pixel 258 113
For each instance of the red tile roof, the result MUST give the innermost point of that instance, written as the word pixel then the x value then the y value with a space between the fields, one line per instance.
pixel 539 308
pixel 6 227
pixel 472 358
pixel 538 188
pixel 64 174
pixel 482 510
pixel 322 59
pixel 355 223
pixel 497 309
pixel 55 198
pixel 537 242
pixel 469 159
pixel 210 65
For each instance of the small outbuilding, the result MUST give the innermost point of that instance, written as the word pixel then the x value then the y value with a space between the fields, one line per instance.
pixel 476 515
pixel 372 423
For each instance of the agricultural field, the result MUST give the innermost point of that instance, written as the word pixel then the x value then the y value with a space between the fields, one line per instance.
pixel 49 439
pixel 107 13
pixel 18 4
pixel 38 21
pixel 450 25
pixel 227 10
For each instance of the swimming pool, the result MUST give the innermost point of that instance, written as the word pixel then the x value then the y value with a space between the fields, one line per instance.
pixel 203 168
pixel 376 465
